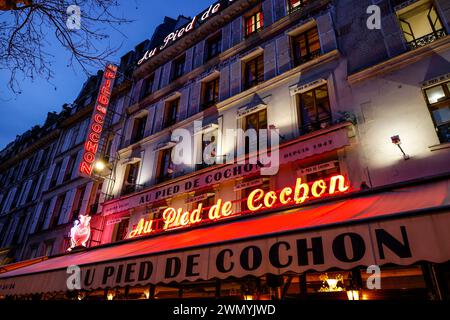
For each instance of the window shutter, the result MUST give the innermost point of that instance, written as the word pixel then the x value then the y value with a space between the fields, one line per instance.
pixel 279 9
pixel 184 104
pixel 284 54
pixel 224 83
pixel 195 99
pixel 165 77
pixel 269 61
pixel 236 30
pixel 235 77
pixel 326 33
pixel 189 60
pixel 268 13
pixel 226 37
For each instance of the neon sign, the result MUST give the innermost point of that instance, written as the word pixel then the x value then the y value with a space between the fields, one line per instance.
pixel 257 200
pixel 179 33
pixel 98 118
pixel 80 232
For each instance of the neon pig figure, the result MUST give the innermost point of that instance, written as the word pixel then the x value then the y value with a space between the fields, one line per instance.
pixel 80 232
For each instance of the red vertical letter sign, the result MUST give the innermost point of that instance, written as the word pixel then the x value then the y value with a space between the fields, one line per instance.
pixel 98 116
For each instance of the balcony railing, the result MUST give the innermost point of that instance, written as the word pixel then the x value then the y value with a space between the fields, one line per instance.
pixel 314 126
pixel 427 39
pixel 309 57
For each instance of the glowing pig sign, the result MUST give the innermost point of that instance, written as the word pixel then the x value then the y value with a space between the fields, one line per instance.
pixel 80 232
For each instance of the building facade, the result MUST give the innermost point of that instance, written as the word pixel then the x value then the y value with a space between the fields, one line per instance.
pixel 355 118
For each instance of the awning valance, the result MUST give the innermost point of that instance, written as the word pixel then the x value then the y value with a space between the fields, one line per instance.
pixel 400 226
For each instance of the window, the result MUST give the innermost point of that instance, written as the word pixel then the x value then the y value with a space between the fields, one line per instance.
pixel 121 230
pixel 256 121
pixel 77 202
pixel 254 23
pixel 314 109
pixel 32 190
pixel 165 166
pixel 16 197
pixel 44 158
pixel 57 211
pixel 28 167
pixel 138 129
pixel 42 216
pixel 213 46
pixel 438 100
pixel 171 112
pixel 48 248
pixel 33 251
pixel 147 87
pixel 178 67
pixel 421 25
pixel 294 5
pixel 210 93
pixel 55 175
pixel 131 176
pixel 18 231
pixel 306 46
pixel 69 168
pixel 254 72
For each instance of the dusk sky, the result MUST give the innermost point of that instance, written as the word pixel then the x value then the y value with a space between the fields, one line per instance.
pixel 21 112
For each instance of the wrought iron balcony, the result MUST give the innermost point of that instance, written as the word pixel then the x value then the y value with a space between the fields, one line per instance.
pixel 427 39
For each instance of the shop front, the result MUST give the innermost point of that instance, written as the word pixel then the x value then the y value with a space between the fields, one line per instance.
pixel 378 244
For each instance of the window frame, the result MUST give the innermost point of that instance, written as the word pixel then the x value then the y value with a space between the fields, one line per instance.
pixel 312 125
pixel 438 105
pixel 178 66
pixel 171 117
pixel 259 78
pixel 298 59
pixel 253 17
pixel 213 40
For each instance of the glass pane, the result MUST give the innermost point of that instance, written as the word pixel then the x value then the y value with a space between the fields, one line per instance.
pixel 307 104
pixel 441 116
pixel 435 94
pixel 313 40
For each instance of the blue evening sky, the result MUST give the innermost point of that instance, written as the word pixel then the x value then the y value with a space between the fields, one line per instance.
pixel 20 112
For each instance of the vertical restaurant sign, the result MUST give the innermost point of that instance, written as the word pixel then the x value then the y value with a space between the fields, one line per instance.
pixel 98 118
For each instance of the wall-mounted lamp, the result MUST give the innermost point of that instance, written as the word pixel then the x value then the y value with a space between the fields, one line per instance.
pixel 397 141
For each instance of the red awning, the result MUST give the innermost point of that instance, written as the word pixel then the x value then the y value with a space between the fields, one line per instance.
pixel 362 215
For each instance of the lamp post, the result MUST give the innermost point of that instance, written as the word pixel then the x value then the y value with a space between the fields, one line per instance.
pixel 397 141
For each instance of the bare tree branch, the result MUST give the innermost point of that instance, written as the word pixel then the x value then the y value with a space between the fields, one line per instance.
pixel 27 28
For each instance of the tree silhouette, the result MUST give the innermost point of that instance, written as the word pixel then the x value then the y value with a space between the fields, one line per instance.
pixel 25 35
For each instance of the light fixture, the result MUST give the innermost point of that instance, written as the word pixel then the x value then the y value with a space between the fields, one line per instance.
pixel 397 141
pixel 353 294
pixel 100 165
pixel 110 296
pixel 248 297
pixel 331 284
pixel 147 293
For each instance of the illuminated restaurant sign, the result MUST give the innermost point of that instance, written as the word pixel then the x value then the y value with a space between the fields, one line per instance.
pixel 98 118
pixel 179 33
pixel 258 199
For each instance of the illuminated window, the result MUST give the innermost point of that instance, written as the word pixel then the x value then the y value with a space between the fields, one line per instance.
pixel 421 25
pixel 138 129
pixel 213 46
pixel 253 72
pixel 254 23
pixel 147 87
pixel 165 166
pixel 294 5
pixel 314 109
pixel 178 67
pixel 171 112
pixel 131 175
pixel 121 230
pixel 438 100
pixel 306 46
pixel 210 95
